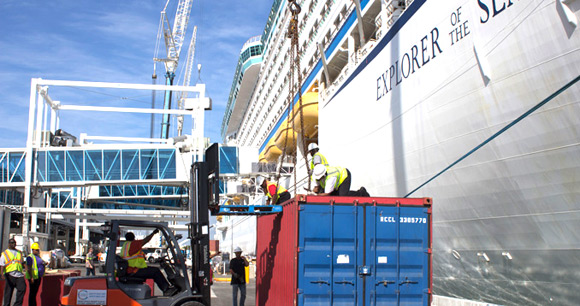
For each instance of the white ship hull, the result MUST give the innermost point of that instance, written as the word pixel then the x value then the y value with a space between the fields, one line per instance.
pixel 435 92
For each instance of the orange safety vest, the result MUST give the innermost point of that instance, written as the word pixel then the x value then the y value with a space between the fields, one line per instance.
pixel 136 260
pixel 279 189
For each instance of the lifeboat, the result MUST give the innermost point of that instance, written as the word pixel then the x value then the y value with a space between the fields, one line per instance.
pixel 287 133
pixel 271 152
pixel 286 136
pixel 309 113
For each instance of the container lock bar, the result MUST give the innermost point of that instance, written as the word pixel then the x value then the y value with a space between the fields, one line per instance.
pixel 345 282
pixel 407 281
pixel 320 282
pixel 386 283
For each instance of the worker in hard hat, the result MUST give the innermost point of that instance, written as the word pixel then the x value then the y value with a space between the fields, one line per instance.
pixel 11 272
pixel 35 267
pixel 276 194
pixel 316 157
pixel 331 180
pixel 238 266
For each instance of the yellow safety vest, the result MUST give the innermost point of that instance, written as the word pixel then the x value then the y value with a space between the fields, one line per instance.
pixel 339 172
pixel 13 263
pixel 322 160
pixel 136 260
pixel 279 190
pixel 34 268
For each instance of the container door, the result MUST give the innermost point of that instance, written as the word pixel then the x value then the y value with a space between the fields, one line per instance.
pixel 380 269
pixel 346 255
pixel 314 261
pixel 327 261
pixel 397 256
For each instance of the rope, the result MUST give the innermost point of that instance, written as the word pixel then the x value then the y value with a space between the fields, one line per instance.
pixel 520 118
pixel 292 33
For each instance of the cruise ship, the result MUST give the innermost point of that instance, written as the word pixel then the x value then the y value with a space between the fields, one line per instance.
pixel 474 103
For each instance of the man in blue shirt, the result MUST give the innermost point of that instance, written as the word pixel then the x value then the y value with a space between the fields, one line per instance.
pixel 34 273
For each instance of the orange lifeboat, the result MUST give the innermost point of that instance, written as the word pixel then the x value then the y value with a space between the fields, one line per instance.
pixel 272 152
pixel 286 136
pixel 309 113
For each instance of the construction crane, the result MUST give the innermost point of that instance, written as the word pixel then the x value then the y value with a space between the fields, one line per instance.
pixel 186 80
pixel 173 41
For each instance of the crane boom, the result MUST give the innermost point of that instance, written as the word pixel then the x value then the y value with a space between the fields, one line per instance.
pixel 173 43
pixel 187 79
pixel 178 33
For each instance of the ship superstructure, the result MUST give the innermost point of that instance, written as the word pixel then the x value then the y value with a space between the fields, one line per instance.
pixel 472 103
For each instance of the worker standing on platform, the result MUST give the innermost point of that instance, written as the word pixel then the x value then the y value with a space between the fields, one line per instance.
pixel 34 272
pixel 331 180
pixel 132 251
pixel 317 157
pixel 11 273
pixel 276 194
pixel 238 270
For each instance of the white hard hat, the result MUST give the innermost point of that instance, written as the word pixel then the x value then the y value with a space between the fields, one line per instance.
pixel 312 146
pixel 237 249
pixel 260 180
pixel 319 171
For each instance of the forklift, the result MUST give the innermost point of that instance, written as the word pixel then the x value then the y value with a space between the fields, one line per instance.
pixel 116 287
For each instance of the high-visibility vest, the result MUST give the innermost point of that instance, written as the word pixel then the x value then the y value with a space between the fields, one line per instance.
pixel 13 263
pixel 136 260
pixel 34 268
pixel 279 190
pixel 90 257
pixel 340 174
pixel 322 160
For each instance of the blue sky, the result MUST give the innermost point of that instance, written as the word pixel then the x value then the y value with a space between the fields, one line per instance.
pixel 112 41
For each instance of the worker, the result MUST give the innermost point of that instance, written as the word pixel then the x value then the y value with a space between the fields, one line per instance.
pixel 35 267
pixel 317 157
pixel 90 262
pixel 132 251
pixel 276 194
pixel 11 272
pixel 238 270
pixel 331 180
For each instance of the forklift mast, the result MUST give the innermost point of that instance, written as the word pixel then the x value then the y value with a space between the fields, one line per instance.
pixel 203 194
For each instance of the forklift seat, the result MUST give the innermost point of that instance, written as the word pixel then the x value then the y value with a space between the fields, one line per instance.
pixel 132 286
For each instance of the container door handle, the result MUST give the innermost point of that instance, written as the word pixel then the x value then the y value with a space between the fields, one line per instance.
pixel 344 282
pixel 407 281
pixel 320 282
pixel 386 282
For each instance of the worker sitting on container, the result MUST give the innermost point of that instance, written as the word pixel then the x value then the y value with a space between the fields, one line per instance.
pixel 331 180
pixel 276 194
pixel 132 251
pixel 317 157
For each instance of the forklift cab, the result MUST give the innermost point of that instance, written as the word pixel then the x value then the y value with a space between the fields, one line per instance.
pixel 117 287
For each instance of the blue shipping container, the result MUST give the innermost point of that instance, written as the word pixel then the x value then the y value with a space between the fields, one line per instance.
pixel 350 251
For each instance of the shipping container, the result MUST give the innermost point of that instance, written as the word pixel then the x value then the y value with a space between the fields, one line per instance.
pixel 345 251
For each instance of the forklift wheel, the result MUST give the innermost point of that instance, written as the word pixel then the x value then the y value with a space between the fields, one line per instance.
pixel 192 303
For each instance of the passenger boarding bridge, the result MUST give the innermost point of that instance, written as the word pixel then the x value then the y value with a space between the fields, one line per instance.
pixel 94 178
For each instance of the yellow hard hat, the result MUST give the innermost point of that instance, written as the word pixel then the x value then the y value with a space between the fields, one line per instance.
pixel 34 246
